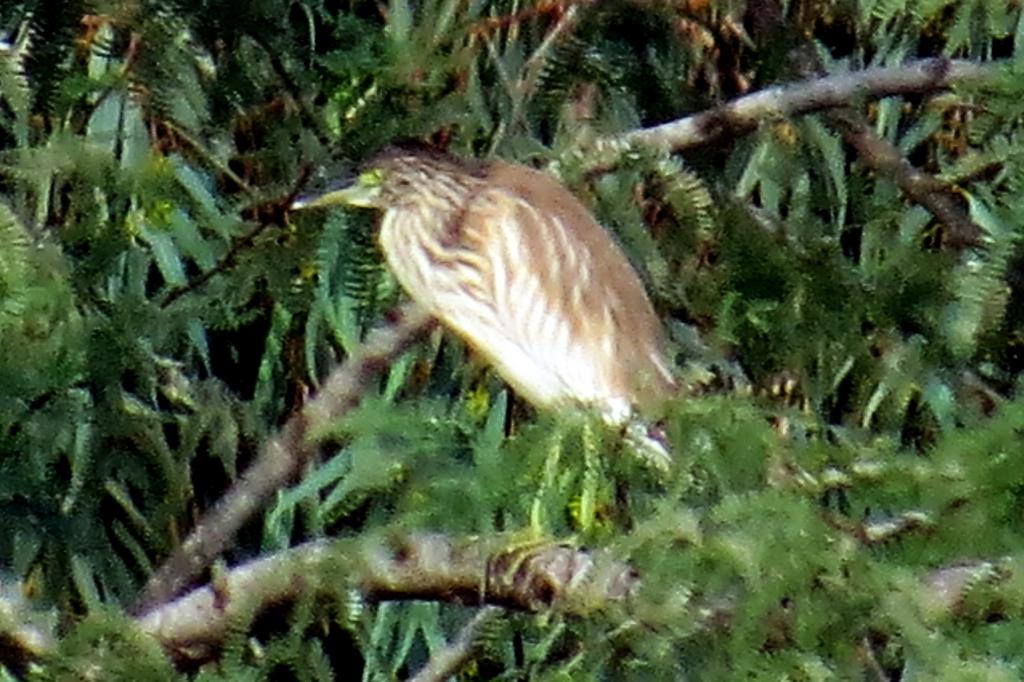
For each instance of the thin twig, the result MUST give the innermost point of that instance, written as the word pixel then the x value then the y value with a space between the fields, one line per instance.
pixel 534 66
pixel 282 458
pixel 210 157
pixel 239 245
pixel 229 261
pixel 450 660
pixel 522 90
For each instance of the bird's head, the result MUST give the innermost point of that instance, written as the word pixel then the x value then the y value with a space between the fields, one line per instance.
pixel 402 176
pixel 364 191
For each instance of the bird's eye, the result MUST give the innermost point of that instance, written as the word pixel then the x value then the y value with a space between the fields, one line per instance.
pixel 371 178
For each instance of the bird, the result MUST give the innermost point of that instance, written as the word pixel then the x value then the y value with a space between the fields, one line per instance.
pixel 509 260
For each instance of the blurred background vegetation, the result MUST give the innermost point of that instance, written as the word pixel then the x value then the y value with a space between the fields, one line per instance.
pixel 860 428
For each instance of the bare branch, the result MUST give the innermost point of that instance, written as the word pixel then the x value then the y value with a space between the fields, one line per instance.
pixel 746 113
pixel 472 570
pixel 282 457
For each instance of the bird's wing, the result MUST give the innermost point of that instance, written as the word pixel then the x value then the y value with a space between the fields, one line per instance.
pixel 452 273
pixel 532 276
pixel 590 284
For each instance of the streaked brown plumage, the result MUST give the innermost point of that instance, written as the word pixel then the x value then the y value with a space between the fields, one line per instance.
pixel 512 262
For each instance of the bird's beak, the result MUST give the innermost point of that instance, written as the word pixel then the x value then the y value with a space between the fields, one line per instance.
pixel 357 194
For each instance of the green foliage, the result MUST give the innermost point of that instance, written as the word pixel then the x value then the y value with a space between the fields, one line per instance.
pixel 102 646
pixel 162 314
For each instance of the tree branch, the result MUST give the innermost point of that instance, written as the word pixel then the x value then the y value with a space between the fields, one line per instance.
pixel 746 113
pixel 472 570
pixel 485 570
pixel 282 457
pixel 934 195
